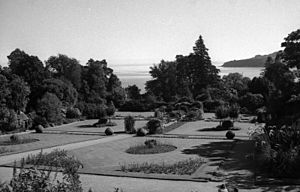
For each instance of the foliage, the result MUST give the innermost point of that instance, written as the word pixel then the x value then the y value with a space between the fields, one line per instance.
pixel 277 147
pixel 129 122
pixel 63 67
pixel 151 147
pixel 110 110
pixel 135 106
pixel 109 131
pixel 252 101
pixel 92 110
pixel 222 112
pixel 63 90
pixel 49 107
pixel 141 132
pixel 56 158
pixel 212 105
pixel 154 126
pixel 185 167
pixel 73 113
pixel 234 111
pixel 163 84
pixel 39 129
pixel 227 124
pixel 16 140
pixel 230 134
pixel 35 179
pixel 291 49
pixel 237 82
pixel 133 92
pixel 19 92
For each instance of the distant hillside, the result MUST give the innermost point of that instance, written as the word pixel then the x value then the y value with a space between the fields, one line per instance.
pixel 257 61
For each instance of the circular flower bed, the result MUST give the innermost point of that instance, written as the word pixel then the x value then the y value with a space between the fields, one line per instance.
pixel 151 147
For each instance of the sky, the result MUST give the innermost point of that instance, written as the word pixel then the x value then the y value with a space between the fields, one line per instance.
pixel 145 31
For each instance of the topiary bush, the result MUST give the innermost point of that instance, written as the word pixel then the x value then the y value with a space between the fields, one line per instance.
pixel 39 129
pixel 234 111
pixel 129 122
pixel 14 138
pixel 109 131
pixel 230 135
pixel 154 126
pixel 141 132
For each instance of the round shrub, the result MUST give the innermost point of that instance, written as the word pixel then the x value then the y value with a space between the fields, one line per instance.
pixel 230 135
pixel 73 113
pixel 14 138
pixel 109 131
pixel 227 124
pixel 39 129
pixel 141 132
pixel 129 122
pixel 151 143
pixel 154 126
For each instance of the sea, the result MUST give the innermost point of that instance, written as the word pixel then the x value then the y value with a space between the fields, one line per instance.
pixel 138 74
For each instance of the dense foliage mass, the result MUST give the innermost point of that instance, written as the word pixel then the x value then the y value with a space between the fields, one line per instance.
pixel 60 88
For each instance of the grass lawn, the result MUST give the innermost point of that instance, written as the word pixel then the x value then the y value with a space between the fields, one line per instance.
pixel 44 141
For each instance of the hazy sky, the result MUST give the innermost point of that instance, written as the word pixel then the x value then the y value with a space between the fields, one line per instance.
pixel 142 31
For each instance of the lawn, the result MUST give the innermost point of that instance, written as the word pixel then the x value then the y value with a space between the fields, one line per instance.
pixel 44 141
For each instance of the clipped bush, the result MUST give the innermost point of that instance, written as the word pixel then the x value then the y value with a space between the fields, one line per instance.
pixel 91 110
pixel 227 124
pixel 39 129
pixel 230 134
pixel 135 106
pixel 14 138
pixel 109 131
pixel 154 126
pixel 73 113
pixel 129 122
pixel 141 132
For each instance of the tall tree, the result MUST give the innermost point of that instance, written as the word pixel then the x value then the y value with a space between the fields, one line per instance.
pixel 63 67
pixel 196 69
pixel 163 84
pixel 291 52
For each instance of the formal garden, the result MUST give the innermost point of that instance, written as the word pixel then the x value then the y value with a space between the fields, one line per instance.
pixel 192 126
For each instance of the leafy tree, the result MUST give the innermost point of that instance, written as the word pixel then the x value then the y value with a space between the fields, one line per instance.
pixel 63 67
pixel 30 68
pixel 115 91
pixel 163 84
pixel 196 70
pixel 133 92
pixel 291 52
pixel 64 91
pixel 4 90
pixel 110 110
pixel 252 101
pixel 237 82
pixel 19 92
pixel 49 107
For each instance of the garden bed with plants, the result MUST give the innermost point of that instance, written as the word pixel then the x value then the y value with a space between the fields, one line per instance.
pixel 151 147
pixel 185 167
